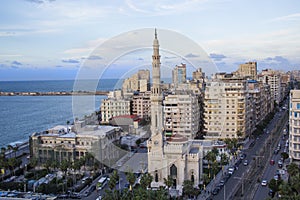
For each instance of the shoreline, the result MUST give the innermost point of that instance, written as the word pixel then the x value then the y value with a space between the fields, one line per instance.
pixel 63 93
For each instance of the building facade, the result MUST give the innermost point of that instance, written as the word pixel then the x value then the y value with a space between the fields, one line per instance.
pixel 58 144
pixel 141 104
pixel 248 70
pixel 179 75
pixel 114 105
pixel 227 108
pixel 139 81
pixel 181 114
pixel 294 126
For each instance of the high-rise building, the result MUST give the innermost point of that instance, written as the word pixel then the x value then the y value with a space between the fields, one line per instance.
pixel 227 107
pixel 141 104
pixel 179 75
pixel 294 126
pixel 273 79
pixel 139 81
pixel 114 105
pixel 181 114
pixel 248 70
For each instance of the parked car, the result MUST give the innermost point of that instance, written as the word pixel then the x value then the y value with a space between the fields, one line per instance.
pixel 245 162
pixel 230 170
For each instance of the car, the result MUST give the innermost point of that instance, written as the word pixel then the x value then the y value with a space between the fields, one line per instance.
pixel 222 182
pixel 215 191
pixel 99 198
pixel 264 182
pixel 245 162
pixel 230 170
pixel 87 193
pixel 272 162
pixel 271 193
pixel 242 156
pixel 276 177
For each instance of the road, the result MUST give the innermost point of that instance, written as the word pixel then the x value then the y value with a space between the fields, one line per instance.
pixel 269 172
pixel 238 178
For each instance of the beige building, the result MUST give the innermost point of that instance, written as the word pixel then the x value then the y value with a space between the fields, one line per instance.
pixel 273 79
pixel 114 105
pixel 227 107
pixel 139 81
pixel 294 126
pixel 248 70
pixel 59 144
pixel 141 104
pixel 181 114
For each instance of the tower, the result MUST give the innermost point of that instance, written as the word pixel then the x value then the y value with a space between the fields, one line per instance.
pixel 156 96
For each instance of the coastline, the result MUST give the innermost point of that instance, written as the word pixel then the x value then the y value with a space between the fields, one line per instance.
pixel 63 93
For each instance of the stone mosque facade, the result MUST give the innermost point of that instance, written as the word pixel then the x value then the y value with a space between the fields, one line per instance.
pixel 174 156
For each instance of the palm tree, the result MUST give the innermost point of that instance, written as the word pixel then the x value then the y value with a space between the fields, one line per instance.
pixel 130 178
pixel 9 148
pixel 146 180
pixel 188 188
pixel 293 169
pixel 224 160
pixel 114 178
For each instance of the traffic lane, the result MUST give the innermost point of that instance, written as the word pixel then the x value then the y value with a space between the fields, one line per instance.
pixel 262 192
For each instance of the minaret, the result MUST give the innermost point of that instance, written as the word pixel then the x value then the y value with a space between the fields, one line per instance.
pixel 156 96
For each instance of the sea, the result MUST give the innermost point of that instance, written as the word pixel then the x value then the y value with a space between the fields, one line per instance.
pixel 23 115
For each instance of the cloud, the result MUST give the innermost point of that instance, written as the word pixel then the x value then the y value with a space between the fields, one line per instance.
pixel 59 66
pixel 217 57
pixel 170 57
pixel 94 57
pixel 276 62
pixel 40 1
pixel 16 63
pixel 140 58
pixel 291 17
pixel 190 55
pixel 70 61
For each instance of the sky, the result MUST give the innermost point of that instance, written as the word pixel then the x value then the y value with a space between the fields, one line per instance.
pixel 53 39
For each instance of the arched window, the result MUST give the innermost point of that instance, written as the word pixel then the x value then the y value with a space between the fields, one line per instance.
pixel 156 176
pixel 173 171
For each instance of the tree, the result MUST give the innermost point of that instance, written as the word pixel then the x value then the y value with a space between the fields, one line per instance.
pixel 239 134
pixel 114 178
pixel 285 189
pixel 224 159
pixel 215 151
pixel 168 182
pixel 284 156
pixel 130 178
pixel 146 180
pixel 188 188
pixel 274 184
pixel 9 148
pixel 293 169
pixel 295 183
pixel 15 150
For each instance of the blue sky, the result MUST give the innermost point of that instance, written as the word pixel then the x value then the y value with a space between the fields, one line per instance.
pixel 51 39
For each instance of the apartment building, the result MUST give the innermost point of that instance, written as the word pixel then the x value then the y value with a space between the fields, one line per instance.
pixel 227 107
pixel 294 126
pixel 247 70
pixel 181 114
pixel 179 75
pixel 114 105
pixel 139 81
pixel 141 104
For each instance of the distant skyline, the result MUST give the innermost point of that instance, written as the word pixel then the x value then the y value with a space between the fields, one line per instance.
pixel 51 39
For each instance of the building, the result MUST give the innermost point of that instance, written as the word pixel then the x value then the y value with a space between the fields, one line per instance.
pixel 227 107
pixel 58 144
pixel 179 75
pixel 141 104
pixel 294 126
pixel 273 79
pixel 181 114
pixel 173 156
pixel 248 70
pixel 139 81
pixel 114 105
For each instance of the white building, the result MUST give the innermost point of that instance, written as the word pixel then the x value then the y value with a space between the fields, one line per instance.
pixel 294 126
pixel 181 114
pixel 114 105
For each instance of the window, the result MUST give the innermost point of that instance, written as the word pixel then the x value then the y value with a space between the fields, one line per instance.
pixel 298 105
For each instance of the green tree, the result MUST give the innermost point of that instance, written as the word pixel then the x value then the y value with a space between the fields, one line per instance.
pixel 295 182
pixel 285 189
pixel 168 182
pixel 274 184
pixel 293 169
pixel 188 188
pixel 114 178
pixel 130 178
pixel 284 156
pixel 146 180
